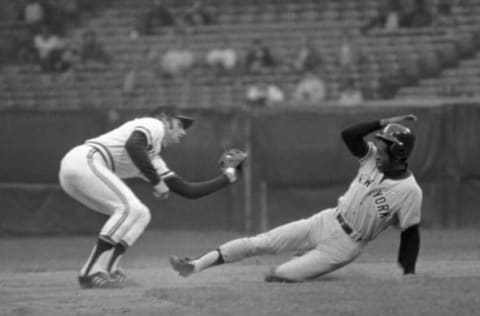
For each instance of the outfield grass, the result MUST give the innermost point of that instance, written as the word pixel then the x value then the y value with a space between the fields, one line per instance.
pixel 38 277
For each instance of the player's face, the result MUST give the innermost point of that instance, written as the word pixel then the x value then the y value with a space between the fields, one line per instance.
pixel 382 160
pixel 174 132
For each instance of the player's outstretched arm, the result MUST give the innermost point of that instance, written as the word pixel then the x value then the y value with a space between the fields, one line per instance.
pixel 409 248
pixel 353 137
pixel 230 163
pixel 195 190
pixel 398 119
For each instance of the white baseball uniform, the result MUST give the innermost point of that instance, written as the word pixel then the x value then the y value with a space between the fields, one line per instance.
pixel 91 173
pixel 334 237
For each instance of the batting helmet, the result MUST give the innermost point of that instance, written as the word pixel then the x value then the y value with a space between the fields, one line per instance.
pixel 400 140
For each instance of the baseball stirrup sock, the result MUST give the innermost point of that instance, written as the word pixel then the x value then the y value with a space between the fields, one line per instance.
pixel 118 251
pixel 101 247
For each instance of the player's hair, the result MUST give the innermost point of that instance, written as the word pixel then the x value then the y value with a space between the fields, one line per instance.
pixel 165 110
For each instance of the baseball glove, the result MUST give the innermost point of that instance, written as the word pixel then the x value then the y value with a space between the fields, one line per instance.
pixel 232 158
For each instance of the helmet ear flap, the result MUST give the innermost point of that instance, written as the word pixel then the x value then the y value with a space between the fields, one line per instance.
pixel 397 151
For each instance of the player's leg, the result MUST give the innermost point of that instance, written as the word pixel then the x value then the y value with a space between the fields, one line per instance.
pixel 310 265
pixel 131 235
pixel 85 177
pixel 128 221
pixel 292 236
pixel 334 250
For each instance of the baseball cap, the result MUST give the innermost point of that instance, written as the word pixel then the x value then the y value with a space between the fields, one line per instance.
pixel 171 111
pixel 187 121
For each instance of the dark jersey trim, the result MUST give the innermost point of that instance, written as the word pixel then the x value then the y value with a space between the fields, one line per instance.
pixel 104 152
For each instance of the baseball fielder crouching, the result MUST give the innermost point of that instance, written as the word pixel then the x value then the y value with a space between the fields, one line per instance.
pixel 92 174
pixel 384 191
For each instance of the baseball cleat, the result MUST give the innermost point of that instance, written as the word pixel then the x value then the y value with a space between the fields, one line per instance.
pixel 98 280
pixel 183 266
pixel 118 276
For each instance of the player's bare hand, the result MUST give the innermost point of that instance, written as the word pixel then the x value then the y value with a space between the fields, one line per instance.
pixel 160 191
pixel 399 119
pixel 160 196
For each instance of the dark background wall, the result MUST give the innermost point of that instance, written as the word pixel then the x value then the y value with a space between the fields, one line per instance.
pixel 298 154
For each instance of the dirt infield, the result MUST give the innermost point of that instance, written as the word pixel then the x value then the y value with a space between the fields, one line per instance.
pixel 38 277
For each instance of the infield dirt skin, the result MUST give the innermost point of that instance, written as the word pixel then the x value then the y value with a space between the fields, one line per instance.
pixel 38 277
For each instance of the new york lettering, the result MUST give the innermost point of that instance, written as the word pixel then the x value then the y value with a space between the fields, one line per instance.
pixel 380 201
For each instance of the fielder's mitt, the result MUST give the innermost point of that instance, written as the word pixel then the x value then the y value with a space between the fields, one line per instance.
pixel 232 158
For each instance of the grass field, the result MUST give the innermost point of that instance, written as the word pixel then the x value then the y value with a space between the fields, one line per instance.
pixel 38 277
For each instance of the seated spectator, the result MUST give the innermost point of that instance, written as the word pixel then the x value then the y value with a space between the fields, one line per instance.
pixel 159 14
pixel 420 16
pixel 350 95
pixel 389 17
pixel 264 94
pixel 310 90
pixel 92 51
pixel 349 54
pixel 70 55
pixel 71 10
pixel 223 58
pixel 258 58
pixel 390 82
pixel 68 60
pixel 49 49
pixel 178 60
pixel 139 70
pixel 55 16
pixel 130 81
pixel 198 14
pixel 307 58
pixel 33 14
pixel 443 14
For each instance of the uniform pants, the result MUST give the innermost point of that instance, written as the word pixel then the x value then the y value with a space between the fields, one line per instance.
pixel 86 176
pixel 326 245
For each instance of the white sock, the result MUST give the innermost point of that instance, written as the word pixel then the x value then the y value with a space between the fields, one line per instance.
pixel 102 262
pixel 115 264
pixel 83 271
pixel 206 261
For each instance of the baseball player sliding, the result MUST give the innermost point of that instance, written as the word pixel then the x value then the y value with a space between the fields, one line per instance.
pixel 384 191
pixel 92 173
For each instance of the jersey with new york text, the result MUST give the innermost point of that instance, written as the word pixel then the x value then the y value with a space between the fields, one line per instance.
pixel 113 143
pixel 373 202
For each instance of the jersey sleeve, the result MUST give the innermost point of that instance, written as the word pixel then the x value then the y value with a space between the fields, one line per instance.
pixel 162 169
pixel 410 213
pixel 369 157
pixel 152 128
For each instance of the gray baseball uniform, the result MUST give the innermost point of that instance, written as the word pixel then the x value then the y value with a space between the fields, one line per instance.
pixel 336 236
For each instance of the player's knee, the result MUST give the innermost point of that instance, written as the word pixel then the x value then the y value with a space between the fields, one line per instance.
pixel 262 244
pixel 141 212
pixel 275 276
pixel 237 249
pixel 280 274
pixel 68 176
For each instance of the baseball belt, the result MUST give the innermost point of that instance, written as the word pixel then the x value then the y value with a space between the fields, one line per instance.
pixel 348 229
